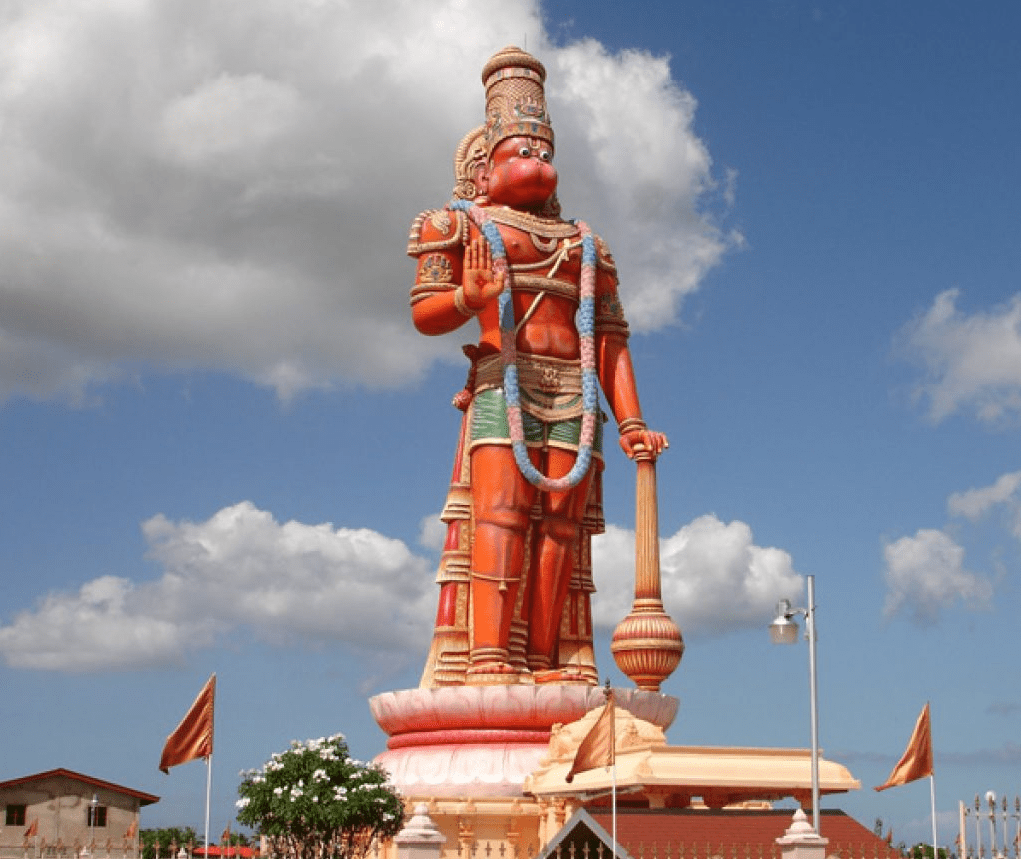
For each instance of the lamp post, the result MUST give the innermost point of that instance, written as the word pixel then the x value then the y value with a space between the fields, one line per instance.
pixel 93 805
pixel 784 630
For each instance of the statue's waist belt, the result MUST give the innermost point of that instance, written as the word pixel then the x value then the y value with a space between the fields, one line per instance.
pixel 550 387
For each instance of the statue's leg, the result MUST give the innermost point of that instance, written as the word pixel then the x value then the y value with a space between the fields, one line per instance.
pixel 555 554
pixel 501 499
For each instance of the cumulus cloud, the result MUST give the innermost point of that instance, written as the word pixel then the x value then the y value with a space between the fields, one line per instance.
pixel 971 361
pixel 242 572
pixel 432 532
pixel 974 504
pixel 239 570
pixel 926 573
pixel 229 186
pixel 714 578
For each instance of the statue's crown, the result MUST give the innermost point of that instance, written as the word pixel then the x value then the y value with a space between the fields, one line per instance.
pixel 515 98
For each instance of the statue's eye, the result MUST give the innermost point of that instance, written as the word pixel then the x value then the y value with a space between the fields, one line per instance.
pixel 524 152
pixel 546 155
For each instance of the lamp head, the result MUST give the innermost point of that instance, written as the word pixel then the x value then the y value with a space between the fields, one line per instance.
pixel 783 630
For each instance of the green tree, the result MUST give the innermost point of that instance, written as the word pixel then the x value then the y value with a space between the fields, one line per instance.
pixel 924 851
pixel 314 801
pixel 236 839
pixel 165 837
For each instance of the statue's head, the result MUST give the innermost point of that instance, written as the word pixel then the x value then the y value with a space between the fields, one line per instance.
pixel 509 160
pixel 515 98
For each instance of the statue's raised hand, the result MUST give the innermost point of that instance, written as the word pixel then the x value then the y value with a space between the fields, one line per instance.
pixel 479 282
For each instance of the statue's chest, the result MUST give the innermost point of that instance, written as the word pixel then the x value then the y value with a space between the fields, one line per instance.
pixel 542 254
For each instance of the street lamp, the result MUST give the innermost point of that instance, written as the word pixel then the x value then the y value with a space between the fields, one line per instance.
pixel 784 630
pixel 93 805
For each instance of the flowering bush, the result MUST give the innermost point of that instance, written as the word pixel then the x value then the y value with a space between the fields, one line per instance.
pixel 314 801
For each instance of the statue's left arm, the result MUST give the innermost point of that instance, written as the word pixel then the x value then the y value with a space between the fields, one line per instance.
pixel 613 363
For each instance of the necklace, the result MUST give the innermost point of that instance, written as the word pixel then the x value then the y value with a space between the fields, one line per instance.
pixel 547 228
pixel 509 354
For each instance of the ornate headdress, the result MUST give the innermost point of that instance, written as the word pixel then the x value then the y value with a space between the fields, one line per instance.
pixel 470 155
pixel 515 98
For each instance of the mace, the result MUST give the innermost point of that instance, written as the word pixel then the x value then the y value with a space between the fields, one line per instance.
pixel 647 645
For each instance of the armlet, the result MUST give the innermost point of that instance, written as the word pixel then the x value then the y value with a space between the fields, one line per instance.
pixel 437 230
pixel 604 259
pixel 610 315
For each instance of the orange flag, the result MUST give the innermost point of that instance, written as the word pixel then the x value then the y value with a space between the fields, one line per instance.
pixel 193 738
pixel 33 829
pixel 916 761
pixel 597 749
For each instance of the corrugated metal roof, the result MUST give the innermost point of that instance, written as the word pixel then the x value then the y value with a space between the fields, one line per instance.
pixel 143 798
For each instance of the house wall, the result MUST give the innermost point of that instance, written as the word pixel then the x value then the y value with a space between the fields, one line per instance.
pixel 61 804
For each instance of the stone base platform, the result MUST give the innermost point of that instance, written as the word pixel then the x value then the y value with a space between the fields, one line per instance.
pixel 483 741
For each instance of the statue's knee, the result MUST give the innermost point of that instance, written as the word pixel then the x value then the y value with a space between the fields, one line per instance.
pixel 562 529
pixel 505 517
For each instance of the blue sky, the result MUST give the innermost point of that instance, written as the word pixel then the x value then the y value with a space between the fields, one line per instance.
pixel 227 446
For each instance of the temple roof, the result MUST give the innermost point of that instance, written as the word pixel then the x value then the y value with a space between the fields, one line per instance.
pixel 703 833
pixel 659 775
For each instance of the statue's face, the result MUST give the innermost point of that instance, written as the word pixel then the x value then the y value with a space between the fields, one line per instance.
pixel 520 173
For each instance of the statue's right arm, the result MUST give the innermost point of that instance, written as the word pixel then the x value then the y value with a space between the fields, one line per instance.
pixel 437 242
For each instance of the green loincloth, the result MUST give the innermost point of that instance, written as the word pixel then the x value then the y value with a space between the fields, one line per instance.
pixel 489 423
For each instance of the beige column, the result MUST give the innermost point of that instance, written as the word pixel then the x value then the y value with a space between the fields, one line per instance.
pixel 420 838
pixel 801 841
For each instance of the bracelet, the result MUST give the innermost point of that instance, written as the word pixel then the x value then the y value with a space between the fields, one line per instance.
pixel 460 304
pixel 630 425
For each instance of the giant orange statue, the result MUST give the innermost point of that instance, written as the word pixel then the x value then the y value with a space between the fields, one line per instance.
pixel 525 494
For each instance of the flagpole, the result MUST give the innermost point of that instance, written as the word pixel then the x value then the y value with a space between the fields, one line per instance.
pixel 613 762
pixel 932 797
pixel 614 803
pixel 209 791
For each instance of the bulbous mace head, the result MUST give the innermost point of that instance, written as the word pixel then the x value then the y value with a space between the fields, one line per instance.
pixel 647 646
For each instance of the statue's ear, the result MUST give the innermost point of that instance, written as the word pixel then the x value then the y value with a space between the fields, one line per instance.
pixel 481 178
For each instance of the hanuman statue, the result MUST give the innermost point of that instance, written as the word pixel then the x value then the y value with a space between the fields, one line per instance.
pixel 525 495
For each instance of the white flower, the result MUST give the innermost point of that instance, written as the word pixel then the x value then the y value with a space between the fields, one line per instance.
pixel 278 791
pixel 241 803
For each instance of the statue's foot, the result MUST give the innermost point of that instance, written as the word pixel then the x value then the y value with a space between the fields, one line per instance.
pixel 492 674
pixel 492 668
pixel 567 675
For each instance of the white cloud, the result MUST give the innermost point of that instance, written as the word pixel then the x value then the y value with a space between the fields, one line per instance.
pixel 714 578
pixel 229 185
pixel 432 532
pixel 972 361
pixel 975 503
pixel 926 573
pixel 242 572
pixel 644 172
pixel 239 570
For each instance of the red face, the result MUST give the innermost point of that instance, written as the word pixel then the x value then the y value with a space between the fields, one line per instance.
pixel 520 173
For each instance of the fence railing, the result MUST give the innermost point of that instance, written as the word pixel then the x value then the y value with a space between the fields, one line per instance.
pixel 990 829
pixel 670 850
pixel 68 851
